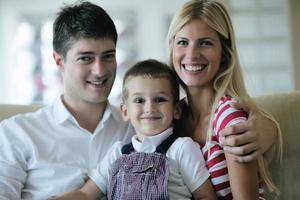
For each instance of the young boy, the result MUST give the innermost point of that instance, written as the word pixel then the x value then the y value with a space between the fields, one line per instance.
pixel 156 164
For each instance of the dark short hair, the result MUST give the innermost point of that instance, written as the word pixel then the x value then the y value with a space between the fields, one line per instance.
pixel 152 69
pixel 81 20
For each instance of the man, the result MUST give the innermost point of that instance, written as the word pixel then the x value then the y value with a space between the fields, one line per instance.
pixel 51 151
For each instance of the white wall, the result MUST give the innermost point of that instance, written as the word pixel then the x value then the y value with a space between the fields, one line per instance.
pixel 151 30
pixel 150 36
pixel 295 40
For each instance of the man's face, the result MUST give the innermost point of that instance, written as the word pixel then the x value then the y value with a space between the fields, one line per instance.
pixel 88 70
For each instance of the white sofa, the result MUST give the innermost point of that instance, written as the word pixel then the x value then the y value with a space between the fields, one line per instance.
pixel 285 107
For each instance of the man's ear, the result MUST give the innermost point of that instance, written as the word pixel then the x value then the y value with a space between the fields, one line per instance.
pixel 177 111
pixel 124 113
pixel 59 61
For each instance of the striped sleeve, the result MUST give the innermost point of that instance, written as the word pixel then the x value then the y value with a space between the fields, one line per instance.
pixel 226 115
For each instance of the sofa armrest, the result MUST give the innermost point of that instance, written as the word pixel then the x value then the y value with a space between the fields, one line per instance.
pixel 285 107
pixel 7 111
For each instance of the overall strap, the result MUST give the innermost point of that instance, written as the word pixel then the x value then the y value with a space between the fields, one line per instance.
pixel 162 148
pixel 127 149
pixel 165 145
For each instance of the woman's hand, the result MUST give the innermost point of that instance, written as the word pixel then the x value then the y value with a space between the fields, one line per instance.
pixel 250 139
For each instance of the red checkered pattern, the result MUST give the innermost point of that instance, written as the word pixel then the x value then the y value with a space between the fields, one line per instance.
pixel 139 176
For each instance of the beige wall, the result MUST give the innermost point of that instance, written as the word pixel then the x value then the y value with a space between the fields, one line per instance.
pixel 295 40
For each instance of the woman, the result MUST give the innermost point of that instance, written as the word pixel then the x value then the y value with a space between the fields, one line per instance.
pixel 203 53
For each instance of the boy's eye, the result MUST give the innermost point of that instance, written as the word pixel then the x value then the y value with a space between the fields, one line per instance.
pixel 138 100
pixel 160 99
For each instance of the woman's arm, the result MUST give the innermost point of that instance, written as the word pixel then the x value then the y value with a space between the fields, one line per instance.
pixel 252 138
pixel 243 178
pixel 89 191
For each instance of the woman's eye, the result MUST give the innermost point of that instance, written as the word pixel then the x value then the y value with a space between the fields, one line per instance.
pixel 181 42
pixel 206 43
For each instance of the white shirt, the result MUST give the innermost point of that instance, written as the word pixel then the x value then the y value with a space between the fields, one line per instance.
pixel 187 166
pixel 47 153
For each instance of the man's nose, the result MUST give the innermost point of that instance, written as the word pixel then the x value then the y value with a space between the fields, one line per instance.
pixel 98 68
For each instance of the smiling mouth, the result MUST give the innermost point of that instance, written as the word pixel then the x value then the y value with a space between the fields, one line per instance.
pixel 194 68
pixel 97 83
pixel 150 118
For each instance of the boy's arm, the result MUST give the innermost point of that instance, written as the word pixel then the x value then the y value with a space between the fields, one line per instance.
pixel 193 169
pixel 89 191
pixel 205 191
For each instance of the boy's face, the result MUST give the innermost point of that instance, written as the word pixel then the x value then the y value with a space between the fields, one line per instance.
pixel 150 105
pixel 88 70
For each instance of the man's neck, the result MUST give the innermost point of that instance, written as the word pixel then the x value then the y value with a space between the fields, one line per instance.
pixel 88 115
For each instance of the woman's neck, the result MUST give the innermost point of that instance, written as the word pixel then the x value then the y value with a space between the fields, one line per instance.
pixel 201 101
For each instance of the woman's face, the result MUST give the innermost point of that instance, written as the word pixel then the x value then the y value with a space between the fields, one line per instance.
pixel 197 54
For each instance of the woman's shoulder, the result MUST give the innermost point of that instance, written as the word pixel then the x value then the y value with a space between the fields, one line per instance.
pixel 226 99
pixel 225 103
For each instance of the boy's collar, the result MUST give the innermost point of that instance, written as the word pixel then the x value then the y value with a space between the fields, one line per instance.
pixel 150 142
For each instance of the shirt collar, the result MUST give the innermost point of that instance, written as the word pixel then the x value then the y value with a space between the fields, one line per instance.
pixel 61 113
pixel 151 142
pixel 112 110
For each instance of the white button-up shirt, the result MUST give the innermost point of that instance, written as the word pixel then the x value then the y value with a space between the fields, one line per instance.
pixel 47 153
pixel 188 169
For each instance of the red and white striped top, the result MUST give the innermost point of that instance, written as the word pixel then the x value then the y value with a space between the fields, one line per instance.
pixel 225 116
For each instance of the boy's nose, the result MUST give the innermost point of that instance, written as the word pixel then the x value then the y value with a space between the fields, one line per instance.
pixel 150 107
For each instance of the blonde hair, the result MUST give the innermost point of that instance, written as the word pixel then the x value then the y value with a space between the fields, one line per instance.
pixel 229 79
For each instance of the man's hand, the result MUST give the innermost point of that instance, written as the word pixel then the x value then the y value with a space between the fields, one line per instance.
pixel 250 139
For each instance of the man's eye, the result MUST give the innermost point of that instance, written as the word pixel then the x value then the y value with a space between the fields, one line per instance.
pixel 85 59
pixel 109 57
pixel 139 100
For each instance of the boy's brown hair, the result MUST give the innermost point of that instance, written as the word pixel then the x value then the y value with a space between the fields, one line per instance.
pixel 153 69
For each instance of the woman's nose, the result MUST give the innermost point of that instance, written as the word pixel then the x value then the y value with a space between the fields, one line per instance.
pixel 193 52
